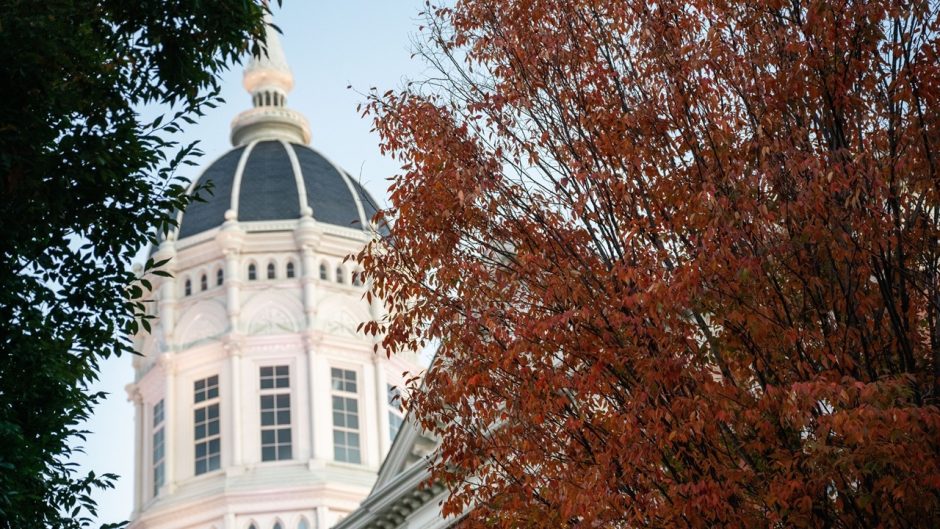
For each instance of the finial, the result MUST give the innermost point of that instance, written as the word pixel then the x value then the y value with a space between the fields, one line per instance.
pixel 268 74
pixel 268 79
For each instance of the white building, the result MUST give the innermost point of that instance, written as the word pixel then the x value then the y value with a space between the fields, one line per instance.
pixel 258 404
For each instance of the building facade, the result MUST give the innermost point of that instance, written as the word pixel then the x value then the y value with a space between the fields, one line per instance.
pixel 258 403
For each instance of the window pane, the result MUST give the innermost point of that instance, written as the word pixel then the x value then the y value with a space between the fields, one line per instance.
pixel 283 436
pixel 394 424
pixel 267 437
pixel 268 453
pixel 267 418
pixel 158 412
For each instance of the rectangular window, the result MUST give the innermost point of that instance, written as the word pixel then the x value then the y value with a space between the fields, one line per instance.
pixel 345 416
pixel 395 413
pixel 206 421
pixel 275 413
pixel 159 448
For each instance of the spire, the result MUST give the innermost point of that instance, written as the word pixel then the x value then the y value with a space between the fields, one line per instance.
pixel 268 79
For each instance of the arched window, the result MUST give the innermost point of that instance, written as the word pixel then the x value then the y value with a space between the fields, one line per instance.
pixel 188 288
pixel 203 282
pixel 219 277
pixel 303 524
pixel 290 269
pixel 339 274
pixel 272 273
pixel 277 525
pixel 356 279
pixel 324 274
pixel 252 272
pixel 267 99
pixel 252 526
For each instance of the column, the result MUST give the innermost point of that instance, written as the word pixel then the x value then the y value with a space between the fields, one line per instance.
pixel 308 280
pixel 381 404
pixel 133 395
pixel 233 428
pixel 310 272
pixel 312 387
pixel 232 287
pixel 168 288
pixel 167 363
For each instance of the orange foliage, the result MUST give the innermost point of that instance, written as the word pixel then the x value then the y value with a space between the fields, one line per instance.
pixel 680 258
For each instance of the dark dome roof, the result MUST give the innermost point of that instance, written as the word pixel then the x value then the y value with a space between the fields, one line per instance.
pixel 274 179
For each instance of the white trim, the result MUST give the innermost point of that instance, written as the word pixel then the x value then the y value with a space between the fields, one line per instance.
pixel 348 180
pixel 237 184
pixel 298 175
pixel 364 222
pixel 192 185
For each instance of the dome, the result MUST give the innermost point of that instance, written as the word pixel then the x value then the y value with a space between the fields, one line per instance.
pixel 275 180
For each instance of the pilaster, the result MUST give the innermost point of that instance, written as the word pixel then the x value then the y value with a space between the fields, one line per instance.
pixel 167 362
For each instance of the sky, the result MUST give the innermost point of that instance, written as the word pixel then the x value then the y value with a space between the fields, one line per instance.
pixel 330 46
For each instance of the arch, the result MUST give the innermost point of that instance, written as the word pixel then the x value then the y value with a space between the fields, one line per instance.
pixel 203 282
pixel 338 316
pixel 272 270
pixel 289 270
pixel 188 287
pixel 251 525
pixel 219 276
pixel 340 275
pixel 252 272
pixel 324 272
pixel 206 319
pixel 272 312
pixel 303 523
pixel 277 524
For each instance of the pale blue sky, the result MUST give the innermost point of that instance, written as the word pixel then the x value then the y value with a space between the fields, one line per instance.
pixel 329 45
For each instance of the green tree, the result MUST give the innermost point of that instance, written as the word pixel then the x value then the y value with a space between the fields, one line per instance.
pixel 84 184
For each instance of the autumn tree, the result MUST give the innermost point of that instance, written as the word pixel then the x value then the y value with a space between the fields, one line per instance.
pixel 680 258
pixel 85 183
